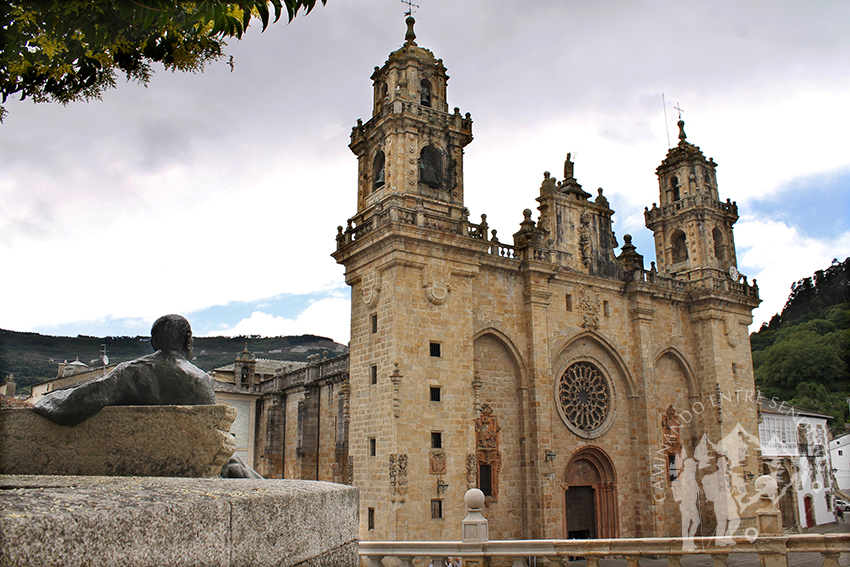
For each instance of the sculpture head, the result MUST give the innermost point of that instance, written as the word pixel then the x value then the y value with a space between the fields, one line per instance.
pixel 172 332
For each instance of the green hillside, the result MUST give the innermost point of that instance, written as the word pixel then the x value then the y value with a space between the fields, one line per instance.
pixel 802 355
pixel 33 358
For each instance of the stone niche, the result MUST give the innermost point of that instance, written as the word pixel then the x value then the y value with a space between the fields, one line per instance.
pixel 150 522
pixel 174 441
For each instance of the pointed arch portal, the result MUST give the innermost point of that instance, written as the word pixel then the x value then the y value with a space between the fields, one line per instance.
pixel 590 496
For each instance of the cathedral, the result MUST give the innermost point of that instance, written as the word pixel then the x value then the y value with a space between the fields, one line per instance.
pixel 566 381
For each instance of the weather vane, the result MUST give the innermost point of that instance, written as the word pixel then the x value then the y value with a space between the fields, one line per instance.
pixel 410 7
pixel 679 108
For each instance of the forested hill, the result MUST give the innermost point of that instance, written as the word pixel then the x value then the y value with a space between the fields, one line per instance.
pixel 802 355
pixel 32 357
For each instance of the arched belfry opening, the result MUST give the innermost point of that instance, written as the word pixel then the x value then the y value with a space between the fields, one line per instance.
pixel 425 93
pixel 678 247
pixel 675 190
pixel 431 167
pixel 378 170
pixel 590 495
pixel 717 235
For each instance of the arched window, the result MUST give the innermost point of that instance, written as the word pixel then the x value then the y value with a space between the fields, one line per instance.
pixel 680 246
pixel 425 93
pixel 718 243
pixel 378 173
pixel 674 188
pixel 431 167
pixel 381 92
pixel 244 382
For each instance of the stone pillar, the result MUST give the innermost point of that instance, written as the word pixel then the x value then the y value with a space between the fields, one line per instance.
pixel 474 526
pixel 774 554
pixel 769 516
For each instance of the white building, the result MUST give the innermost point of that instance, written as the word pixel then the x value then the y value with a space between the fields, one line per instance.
pixel 839 453
pixel 794 450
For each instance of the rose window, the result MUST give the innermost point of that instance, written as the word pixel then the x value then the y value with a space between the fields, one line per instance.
pixel 584 398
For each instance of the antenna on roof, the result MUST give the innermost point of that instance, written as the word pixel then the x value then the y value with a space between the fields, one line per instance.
pixel 666 127
pixel 410 7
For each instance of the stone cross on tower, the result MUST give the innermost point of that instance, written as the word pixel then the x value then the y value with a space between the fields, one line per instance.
pixel 410 7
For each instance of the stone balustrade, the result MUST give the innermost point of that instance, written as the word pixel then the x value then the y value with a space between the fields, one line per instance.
pixel 770 551
pixel 689 202
pixel 364 223
pixel 332 370
pixel 765 545
pixel 718 282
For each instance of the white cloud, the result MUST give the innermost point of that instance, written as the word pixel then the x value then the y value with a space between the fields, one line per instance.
pixel 227 187
pixel 326 317
pixel 777 255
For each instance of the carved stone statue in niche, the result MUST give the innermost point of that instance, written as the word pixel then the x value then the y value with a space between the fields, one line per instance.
pixel 489 456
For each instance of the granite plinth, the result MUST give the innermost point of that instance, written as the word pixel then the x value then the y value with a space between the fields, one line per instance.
pixel 184 441
pixel 51 521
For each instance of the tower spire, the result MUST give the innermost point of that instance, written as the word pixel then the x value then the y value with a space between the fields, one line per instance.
pixel 410 35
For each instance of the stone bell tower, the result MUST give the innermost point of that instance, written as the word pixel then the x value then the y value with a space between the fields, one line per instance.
pixel 692 227
pixel 412 147
pixel 695 248
pixel 407 255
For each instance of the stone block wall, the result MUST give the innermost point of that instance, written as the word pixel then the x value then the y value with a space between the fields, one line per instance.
pixel 53 521
pixel 188 441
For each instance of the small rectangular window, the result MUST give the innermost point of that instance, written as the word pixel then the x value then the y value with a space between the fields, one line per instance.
pixel 672 467
pixel 435 349
pixel 485 479
pixel 371 518
pixel 436 440
pixel 373 374
pixel 373 447
pixel 374 322
pixel 569 302
pixel 435 393
pixel 840 452
pixel 436 509
pixel 606 308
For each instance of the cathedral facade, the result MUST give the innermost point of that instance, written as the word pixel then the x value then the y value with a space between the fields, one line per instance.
pixel 566 381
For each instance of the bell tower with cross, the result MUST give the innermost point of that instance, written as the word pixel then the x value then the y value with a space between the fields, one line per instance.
pixel 691 225
pixel 411 150
pixel 407 253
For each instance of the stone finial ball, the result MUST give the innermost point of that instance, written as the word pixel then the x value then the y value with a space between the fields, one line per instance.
pixel 766 486
pixel 474 499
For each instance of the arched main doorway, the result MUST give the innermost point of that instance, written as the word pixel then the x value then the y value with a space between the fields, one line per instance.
pixel 590 496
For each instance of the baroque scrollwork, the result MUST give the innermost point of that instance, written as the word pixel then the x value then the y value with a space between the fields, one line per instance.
pixel 437 462
pixel 471 471
pixel 371 292
pixel 435 292
pixel 398 477
pixel 589 305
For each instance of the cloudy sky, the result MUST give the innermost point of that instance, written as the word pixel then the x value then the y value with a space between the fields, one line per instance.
pixel 217 195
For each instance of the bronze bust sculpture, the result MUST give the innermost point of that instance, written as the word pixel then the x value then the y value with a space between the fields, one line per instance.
pixel 165 377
